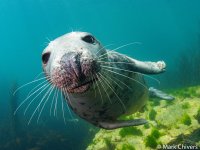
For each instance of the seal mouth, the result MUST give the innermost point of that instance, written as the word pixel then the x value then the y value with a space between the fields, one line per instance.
pixel 86 83
pixel 82 87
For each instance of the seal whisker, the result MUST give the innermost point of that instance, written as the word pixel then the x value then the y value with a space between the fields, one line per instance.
pixel 114 82
pixel 116 62
pixel 108 80
pixel 132 72
pixel 36 87
pixel 103 85
pixel 35 98
pixel 49 93
pixel 119 48
pixel 52 101
pixel 67 97
pixel 29 97
pixel 63 113
pixel 39 75
pixel 72 30
pixel 93 79
pixel 126 77
pixel 112 52
pixel 55 104
pixel 103 48
pixel 94 84
pixel 28 84
pixel 38 106
pixel 108 83
pixel 46 44
pixel 122 83
pixel 48 39
pixel 99 90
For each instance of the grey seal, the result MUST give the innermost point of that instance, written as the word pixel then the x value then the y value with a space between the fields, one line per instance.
pixel 99 85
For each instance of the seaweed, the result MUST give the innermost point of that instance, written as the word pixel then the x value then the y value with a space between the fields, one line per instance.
pixel 127 147
pixel 154 102
pixel 197 116
pixel 155 133
pixel 130 131
pixel 109 144
pixel 152 114
pixel 150 141
pixel 146 126
pixel 185 105
pixel 186 119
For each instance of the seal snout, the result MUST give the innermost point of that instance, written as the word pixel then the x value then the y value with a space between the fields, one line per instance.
pixel 70 62
pixel 75 72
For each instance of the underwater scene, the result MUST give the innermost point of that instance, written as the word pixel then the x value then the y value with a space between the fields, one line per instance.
pixel 99 74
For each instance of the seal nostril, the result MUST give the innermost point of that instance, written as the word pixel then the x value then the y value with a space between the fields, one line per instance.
pixel 45 57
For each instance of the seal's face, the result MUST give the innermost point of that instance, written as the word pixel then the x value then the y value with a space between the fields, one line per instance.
pixel 70 61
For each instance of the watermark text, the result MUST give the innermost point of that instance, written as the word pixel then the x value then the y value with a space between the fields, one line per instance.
pixel 178 146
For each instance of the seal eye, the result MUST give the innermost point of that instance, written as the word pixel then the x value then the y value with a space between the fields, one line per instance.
pixel 89 39
pixel 45 58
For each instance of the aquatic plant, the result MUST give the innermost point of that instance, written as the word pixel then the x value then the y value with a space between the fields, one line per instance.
pixel 127 147
pixel 109 144
pixel 146 126
pixel 150 141
pixel 130 131
pixel 152 114
pixel 197 116
pixel 185 105
pixel 186 119
pixel 154 102
pixel 155 133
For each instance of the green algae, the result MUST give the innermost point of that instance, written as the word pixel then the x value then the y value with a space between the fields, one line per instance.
pixel 109 145
pixel 168 123
pixel 152 114
pixel 146 126
pixel 154 102
pixel 190 92
pixel 150 141
pixel 130 131
pixel 185 105
pixel 155 133
pixel 128 147
pixel 186 119
pixel 197 116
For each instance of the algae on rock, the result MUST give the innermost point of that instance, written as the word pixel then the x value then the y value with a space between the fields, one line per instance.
pixel 176 122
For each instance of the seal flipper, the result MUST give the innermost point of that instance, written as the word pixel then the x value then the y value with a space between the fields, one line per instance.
pixel 159 94
pixel 120 123
pixel 148 67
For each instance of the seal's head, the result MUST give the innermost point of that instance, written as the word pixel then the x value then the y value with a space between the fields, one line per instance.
pixel 70 61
